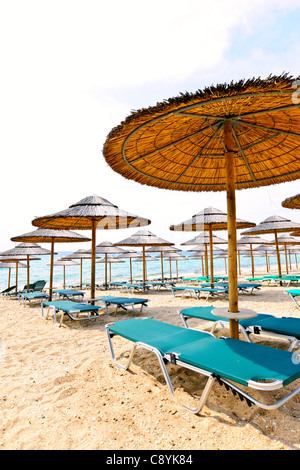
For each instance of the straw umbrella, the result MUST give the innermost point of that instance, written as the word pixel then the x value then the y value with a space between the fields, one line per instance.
pixel 292 202
pixel 65 262
pixel 274 224
pixel 107 248
pixel 109 260
pixel 144 238
pixel 226 137
pixel 144 261
pixel 162 250
pixel 251 240
pixel 91 213
pixel 29 251
pixel 51 236
pixel 130 254
pixel 266 249
pixel 15 258
pixel 10 266
pixel 175 257
pixel 287 240
pixel 81 255
pixel 205 239
pixel 209 219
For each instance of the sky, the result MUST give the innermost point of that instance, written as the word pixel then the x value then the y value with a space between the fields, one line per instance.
pixel 72 70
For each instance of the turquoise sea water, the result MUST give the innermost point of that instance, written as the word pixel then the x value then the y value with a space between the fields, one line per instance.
pixel 120 271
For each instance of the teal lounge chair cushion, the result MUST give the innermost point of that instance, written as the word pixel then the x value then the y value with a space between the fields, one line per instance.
pixel 70 307
pixel 123 300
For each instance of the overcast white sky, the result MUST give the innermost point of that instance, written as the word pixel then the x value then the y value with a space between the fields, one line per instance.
pixel 71 70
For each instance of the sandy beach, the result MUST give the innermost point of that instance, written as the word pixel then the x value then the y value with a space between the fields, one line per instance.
pixel 60 389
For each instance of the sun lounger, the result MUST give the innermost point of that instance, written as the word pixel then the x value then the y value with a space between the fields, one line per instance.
pixel 72 309
pixel 214 292
pixel 7 290
pixel 33 296
pixel 122 302
pixel 68 294
pixel 229 361
pixel 243 288
pixel 282 327
pixel 294 294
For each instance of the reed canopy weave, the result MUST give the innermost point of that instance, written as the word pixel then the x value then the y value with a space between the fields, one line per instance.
pixel 292 202
pixel 224 137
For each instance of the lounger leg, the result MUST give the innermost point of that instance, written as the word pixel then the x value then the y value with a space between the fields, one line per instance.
pixel 293 299
pixel 210 381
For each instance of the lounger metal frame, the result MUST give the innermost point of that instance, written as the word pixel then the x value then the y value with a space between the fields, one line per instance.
pixel 293 298
pixel 69 314
pixel 173 359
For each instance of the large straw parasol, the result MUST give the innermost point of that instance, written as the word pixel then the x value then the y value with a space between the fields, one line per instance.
pixel 91 213
pixel 29 250
pixel 51 236
pixel 209 219
pixel 11 257
pixel 274 224
pixel 10 265
pixel 226 137
pixel 292 202
pixel 144 238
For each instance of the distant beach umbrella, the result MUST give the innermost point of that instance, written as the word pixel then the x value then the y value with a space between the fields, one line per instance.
pixel 174 257
pixel 51 236
pixel 274 224
pixel 161 250
pixel 109 260
pixel 130 254
pixel 81 255
pixel 65 262
pixel 107 248
pixel 226 137
pixel 287 240
pixel 91 213
pixel 14 258
pixel 209 219
pixel 267 250
pixel 203 239
pixel 251 240
pixel 292 202
pixel 144 238
pixel 10 266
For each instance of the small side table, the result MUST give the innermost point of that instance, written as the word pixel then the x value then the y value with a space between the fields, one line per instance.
pixel 242 314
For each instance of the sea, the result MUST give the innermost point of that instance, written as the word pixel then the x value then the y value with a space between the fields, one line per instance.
pixel 40 270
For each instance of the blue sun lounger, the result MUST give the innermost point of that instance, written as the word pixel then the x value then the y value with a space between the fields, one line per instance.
pixel 229 361
pixel 122 302
pixel 72 309
pixel 33 296
pixel 68 294
pixel 284 328
pixel 214 292
pixel 294 294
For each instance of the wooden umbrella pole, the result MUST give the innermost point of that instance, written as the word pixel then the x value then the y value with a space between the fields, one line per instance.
pixel 9 273
pixel 28 281
pixel 170 262
pixel 64 270
pixel 51 269
pixel 17 265
pixel 162 264
pixel 130 262
pixel 211 257
pixel 81 273
pixel 286 259
pixel 278 255
pixel 144 267
pixel 232 239
pixel 105 256
pixel 206 261
pixel 93 261
pixel 252 259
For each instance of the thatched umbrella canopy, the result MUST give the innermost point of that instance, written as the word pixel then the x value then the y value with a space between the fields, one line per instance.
pixel 109 260
pixel 91 213
pixel 51 236
pixel 292 202
pixel 161 250
pixel 29 250
pixel 251 240
pixel 144 238
pixel 274 224
pixel 12 256
pixel 10 265
pixel 209 219
pixel 65 262
pixel 267 250
pixel 206 239
pixel 226 137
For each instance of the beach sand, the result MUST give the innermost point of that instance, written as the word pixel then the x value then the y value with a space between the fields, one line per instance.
pixel 60 389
